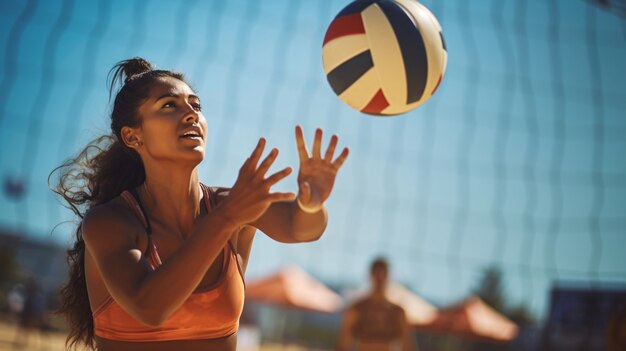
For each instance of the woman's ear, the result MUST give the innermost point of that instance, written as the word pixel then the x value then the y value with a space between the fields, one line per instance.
pixel 130 138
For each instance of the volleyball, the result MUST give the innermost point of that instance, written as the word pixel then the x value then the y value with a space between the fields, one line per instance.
pixel 384 57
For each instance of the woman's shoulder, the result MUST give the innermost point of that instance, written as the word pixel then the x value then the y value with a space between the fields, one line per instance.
pixel 115 208
pixel 111 218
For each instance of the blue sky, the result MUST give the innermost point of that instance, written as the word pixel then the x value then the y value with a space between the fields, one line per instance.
pixel 516 161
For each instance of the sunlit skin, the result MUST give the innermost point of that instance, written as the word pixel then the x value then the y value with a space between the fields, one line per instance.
pixel 385 321
pixel 189 240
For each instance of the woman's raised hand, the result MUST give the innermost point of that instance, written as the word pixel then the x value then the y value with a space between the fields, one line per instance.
pixel 251 195
pixel 317 174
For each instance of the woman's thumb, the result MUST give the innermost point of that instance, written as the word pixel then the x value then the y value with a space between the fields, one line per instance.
pixel 305 192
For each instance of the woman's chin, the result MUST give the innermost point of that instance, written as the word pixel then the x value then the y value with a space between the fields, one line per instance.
pixel 193 156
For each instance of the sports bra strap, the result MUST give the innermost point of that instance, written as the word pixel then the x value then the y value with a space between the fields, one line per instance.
pixel 132 198
pixel 209 201
pixel 135 200
pixel 143 212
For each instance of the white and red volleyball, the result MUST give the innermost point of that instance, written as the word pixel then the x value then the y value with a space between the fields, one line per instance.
pixel 384 57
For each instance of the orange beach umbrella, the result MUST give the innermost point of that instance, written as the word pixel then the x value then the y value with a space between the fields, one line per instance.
pixel 473 318
pixel 293 287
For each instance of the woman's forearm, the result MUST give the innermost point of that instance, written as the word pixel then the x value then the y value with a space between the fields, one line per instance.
pixel 165 289
pixel 307 226
pixel 285 222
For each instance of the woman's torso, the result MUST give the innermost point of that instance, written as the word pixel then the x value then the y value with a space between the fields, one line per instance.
pixel 167 243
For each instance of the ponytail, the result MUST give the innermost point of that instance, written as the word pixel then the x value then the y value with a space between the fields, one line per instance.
pixel 102 171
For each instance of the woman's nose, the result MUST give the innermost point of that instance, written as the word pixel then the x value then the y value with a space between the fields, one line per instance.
pixel 191 115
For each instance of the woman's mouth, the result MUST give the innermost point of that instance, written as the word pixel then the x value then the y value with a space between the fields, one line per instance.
pixel 191 135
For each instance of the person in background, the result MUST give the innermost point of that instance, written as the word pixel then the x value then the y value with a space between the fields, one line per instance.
pixel 374 323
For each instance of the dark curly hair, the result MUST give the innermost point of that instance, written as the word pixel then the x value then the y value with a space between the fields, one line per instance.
pixel 102 171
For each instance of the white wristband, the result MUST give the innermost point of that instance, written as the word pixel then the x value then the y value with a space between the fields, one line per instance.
pixel 304 209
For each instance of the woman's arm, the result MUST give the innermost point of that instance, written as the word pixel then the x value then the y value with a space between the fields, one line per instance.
pixel 151 296
pixel 305 219
pixel 286 222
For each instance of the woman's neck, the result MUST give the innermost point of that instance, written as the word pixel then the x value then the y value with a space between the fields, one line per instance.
pixel 172 194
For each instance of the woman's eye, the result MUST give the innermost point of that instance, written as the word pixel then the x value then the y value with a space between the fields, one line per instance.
pixel 171 104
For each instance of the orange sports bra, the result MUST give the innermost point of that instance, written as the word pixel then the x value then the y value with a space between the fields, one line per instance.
pixel 211 313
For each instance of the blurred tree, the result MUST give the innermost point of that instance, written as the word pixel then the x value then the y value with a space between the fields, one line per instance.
pixel 490 289
pixel 521 315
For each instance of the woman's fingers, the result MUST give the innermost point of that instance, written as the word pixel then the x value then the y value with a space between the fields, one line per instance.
pixel 267 162
pixel 331 148
pixel 341 158
pixel 278 176
pixel 303 152
pixel 253 160
pixel 317 144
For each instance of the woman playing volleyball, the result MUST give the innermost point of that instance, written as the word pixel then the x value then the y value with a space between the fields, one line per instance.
pixel 159 258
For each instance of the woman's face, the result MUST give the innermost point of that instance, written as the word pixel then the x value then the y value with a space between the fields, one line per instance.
pixel 173 127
